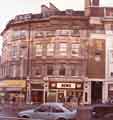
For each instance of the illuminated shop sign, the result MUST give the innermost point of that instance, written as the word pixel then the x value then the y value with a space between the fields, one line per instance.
pixel 66 85
pixel 76 85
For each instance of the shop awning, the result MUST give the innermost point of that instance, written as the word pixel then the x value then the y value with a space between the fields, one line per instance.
pixel 13 84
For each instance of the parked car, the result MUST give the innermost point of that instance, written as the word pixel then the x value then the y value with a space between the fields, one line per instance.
pixel 50 111
pixel 103 111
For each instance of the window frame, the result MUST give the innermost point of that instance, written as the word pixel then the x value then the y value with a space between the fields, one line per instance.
pixel 62 69
pixel 50 49
pixel 75 49
pixel 63 49
pixel 38 49
pixel 51 66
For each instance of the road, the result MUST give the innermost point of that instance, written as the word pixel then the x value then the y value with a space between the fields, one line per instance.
pixel 9 112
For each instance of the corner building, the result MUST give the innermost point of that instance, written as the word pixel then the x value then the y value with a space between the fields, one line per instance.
pixel 64 54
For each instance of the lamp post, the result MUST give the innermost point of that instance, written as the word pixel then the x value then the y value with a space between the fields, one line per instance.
pixel 45 88
pixel 28 76
pixel 28 90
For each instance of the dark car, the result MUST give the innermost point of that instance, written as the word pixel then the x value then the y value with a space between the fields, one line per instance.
pixel 102 111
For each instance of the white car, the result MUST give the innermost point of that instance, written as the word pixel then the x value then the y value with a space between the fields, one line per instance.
pixel 50 111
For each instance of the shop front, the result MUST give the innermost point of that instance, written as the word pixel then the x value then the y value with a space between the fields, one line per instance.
pixel 110 92
pixel 37 92
pixel 65 91
pixel 12 91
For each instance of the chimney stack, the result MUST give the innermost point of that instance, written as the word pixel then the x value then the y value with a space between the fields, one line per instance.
pixel 87 3
pixel 87 7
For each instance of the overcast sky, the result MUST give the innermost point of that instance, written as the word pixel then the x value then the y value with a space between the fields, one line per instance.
pixel 10 8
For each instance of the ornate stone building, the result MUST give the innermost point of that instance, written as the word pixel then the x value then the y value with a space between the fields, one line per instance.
pixel 59 54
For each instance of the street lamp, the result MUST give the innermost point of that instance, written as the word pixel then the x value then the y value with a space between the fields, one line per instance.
pixel 28 90
pixel 45 88
pixel 28 79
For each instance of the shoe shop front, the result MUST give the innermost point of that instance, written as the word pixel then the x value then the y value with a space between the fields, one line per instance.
pixel 65 91
pixel 37 92
pixel 12 91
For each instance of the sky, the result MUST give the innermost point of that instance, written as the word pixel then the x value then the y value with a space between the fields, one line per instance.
pixel 10 8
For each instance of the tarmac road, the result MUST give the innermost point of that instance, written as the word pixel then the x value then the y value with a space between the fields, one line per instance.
pixel 9 112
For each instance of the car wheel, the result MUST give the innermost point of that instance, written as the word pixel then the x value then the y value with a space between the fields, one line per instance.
pixel 25 116
pixel 61 119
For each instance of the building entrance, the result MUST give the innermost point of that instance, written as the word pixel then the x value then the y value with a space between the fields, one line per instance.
pixel 96 92
pixel 37 96
pixel 61 96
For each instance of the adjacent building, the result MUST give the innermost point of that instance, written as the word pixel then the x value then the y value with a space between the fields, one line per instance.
pixel 55 54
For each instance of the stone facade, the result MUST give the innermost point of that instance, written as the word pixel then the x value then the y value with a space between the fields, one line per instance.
pixel 64 54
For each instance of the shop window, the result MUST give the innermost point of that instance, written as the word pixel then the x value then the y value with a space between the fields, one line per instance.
pixel 49 69
pixel 62 70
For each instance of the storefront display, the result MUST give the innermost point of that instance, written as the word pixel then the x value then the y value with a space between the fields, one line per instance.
pixel 13 91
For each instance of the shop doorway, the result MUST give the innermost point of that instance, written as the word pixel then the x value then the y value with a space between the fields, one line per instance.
pixel 96 92
pixel 37 96
pixel 61 97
